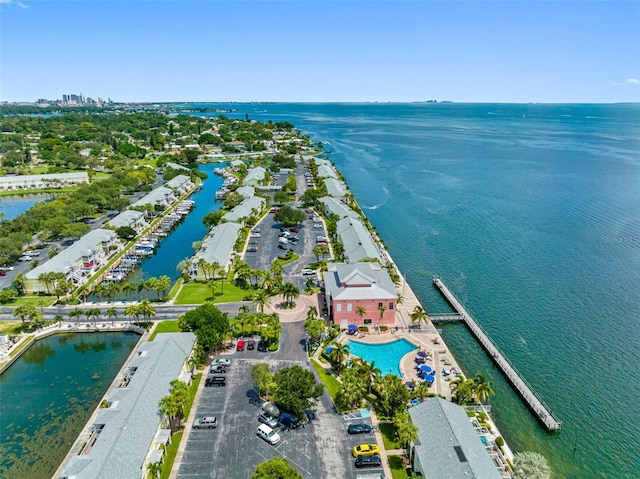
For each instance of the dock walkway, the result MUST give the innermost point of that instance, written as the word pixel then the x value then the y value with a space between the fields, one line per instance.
pixel 536 404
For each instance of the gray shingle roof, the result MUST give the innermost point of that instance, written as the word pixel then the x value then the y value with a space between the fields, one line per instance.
pixel 448 446
pixel 337 207
pixel 126 218
pixel 327 171
pixel 335 187
pixel 176 166
pixel 356 239
pixel 244 209
pixel 246 191
pixel 255 175
pixel 358 281
pixel 217 246
pixel 178 181
pixel 68 258
pixel 154 197
pixel 131 424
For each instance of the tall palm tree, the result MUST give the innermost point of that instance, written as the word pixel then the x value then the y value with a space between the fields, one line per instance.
pixel 290 292
pixel 128 288
pixel 132 311
pixel 111 313
pixel 361 311
pixel 312 312
pixel 146 309
pixel 382 308
pixel 95 314
pixel 406 431
pixel 482 388
pixel 337 355
pixel 261 300
pixel 75 313
pixel 419 315
pixel 368 371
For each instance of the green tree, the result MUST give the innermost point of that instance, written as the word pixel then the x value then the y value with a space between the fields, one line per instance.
pixel 290 292
pixel 419 316
pixel 262 378
pixel 126 233
pixel 352 390
pixel 338 355
pixel 261 300
pixel 393 395
pixel 531 465
pixel 111 313
pixel 276 468
pixel 294 388
pixel 361 311
pixel 406 431
pixel 314 328
pixel 381 309
pixel 24 311
pixel 289 216
pixel 482 388
pixel 207 322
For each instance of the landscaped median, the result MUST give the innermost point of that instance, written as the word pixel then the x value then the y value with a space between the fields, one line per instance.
pixel 331 384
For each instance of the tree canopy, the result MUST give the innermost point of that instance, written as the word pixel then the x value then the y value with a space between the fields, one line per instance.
pixel 294 388
pixel 207 322
pixel 276 468
pixel 289 216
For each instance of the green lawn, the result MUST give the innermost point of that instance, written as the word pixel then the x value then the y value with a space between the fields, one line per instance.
pixel 294 257
pixel 165 327
pixel 65 189
pixel 38 301
pixel 199 293
pixel 398 471
pixel 389 438
pixel 170 455
pixel 10 327
pixel 15 350
pixel 330 383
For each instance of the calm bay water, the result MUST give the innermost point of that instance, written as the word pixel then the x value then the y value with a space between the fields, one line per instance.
pixel 531 214
pixel 48 395
pixel 13 206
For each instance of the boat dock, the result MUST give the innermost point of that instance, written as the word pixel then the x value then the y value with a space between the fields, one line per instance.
pixel 535 403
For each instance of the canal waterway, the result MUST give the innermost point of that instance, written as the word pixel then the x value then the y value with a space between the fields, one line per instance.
pixel 531 214
pixel 48 395
pixel 178 245
pixel 13 206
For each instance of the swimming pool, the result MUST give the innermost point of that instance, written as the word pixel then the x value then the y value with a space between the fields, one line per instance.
pixel 387 356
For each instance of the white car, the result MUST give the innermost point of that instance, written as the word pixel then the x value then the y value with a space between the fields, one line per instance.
pixel 6 268
pixel 221 361
pixel 268 434
pixel 308 271
pixel 206 421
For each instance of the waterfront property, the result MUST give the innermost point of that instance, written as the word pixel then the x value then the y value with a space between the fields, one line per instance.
pixel 34 182
pixel 245 209
pixel 180 184
pixel 387 356
pixel 333 206
pixel 358 243
pixel 217 247
pixel 131 218
pixel 78 262
pixel 246 192
pixel 123 438
pixel 448 446
pixel 255 176
pixel 361 294
pixel 160 196
pixel 335 187
pixel 176 166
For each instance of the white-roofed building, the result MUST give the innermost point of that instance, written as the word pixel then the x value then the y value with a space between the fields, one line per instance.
pixel 131 218
pixel 448 446
pixel 160 196
pixel 181 184
pixel 176 166
pixel 356 239
pixel 350 286
pixel 78 262
pixel 333 206
pixel 335 188
pixel 126 436
pixel 255 176
pixel 34 182
pixel 245 209
pixel 236 164
pixel 327 171
pixel 217 247
pixel 246 191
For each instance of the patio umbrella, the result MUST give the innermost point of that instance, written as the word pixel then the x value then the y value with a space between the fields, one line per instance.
pixel 422 354
pixel 425 368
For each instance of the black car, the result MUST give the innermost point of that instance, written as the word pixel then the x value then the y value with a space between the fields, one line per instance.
pixel 289 421
pixel 359 428
pixel 262 346
pixel 368 461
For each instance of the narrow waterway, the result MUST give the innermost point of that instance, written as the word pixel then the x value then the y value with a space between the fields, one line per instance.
pixel 178 245
pixel 48 395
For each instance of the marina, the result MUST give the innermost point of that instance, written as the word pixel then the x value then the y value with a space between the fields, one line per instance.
pixel 535 403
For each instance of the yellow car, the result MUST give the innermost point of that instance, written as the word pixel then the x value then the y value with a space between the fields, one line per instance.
pixel 366 450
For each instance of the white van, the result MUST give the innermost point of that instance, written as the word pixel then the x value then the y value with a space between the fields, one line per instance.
pixel 268 434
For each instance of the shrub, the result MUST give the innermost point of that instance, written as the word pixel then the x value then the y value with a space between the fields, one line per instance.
pixel 364 329
pixel 499 441
pixel 384 328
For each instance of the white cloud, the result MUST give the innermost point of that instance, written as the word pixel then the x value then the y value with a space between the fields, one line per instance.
pixel 632 81
pixel 14 2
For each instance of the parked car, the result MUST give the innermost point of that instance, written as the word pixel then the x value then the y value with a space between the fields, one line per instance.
pixel 262 345
pixel 365 450
pixel 26 258
pixel 6 268
pixel 265 418
pixel 240 345
pixel 206 421
pixel 282 246
pixel 218 369
pixel 251 344
pixel 2 273
pixel 273 210
pixel 359 428
pixel 216 381
pixel 252 249
pixel 290 421
pixel 317 225
pixel 308 271
pixel 293 229
pixel 368 461
pixel 224 361
pixel 268 434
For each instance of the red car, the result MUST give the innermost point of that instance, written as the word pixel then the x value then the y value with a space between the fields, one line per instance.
pixel 240 345
pixel 273 210
pixel 2 273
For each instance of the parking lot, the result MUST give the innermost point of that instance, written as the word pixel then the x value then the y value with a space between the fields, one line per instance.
pixel 322 449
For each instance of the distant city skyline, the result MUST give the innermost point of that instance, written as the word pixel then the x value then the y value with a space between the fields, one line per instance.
pixel 306 51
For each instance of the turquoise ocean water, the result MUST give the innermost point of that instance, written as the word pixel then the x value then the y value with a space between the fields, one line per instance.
pixel 531 214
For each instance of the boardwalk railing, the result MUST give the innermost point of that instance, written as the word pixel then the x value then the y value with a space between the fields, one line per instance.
pixel 445 317
pixel 533 400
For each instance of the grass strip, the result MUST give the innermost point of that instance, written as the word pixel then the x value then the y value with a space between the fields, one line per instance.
pixel 169 326
pixel 388 431
pixel 330 383
pixel 398 470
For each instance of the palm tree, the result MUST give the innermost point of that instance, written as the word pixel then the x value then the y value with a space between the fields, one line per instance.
pixel 111 313
pixel 337 355
pixel 261 300
pixel 360 311
pixel 146 309
pixel 406 431
pixel 143 286
pixel 132 311
pixel 482 388
pixel 382 308
pixel 100 290
pixel 170 408
pixel 312 312
pixel 112 290
pixel 75 313
pixel 290 292
pixel 128 288
pixel 368 371
pixel 154 469
pixel 400 299
pixel 419 315
pixel 95 314
pixel 463 393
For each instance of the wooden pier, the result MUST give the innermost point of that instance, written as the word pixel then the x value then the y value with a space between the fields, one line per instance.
pixel 535 403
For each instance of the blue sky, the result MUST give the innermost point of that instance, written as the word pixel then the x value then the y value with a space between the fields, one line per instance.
pixel 479 51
